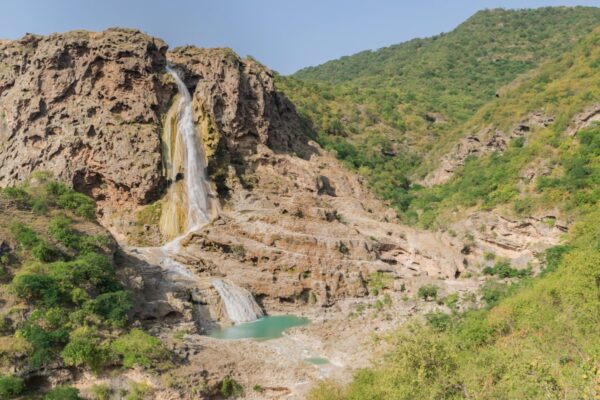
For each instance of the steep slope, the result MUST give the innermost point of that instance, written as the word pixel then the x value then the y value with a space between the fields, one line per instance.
pixel 382 111
pixel 534 148
pixel 530 155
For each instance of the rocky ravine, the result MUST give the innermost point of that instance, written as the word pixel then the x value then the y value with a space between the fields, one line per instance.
pixel 294 227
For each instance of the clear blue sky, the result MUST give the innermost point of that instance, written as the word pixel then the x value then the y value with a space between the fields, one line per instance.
pixel 284 34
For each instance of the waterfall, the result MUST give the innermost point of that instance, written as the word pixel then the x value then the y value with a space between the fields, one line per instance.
pixel 184 156
pixel 239 303
pixel 196 184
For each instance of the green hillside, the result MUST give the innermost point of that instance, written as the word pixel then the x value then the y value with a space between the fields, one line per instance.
pixel 542 341
pixel 538 337
pixel 567 168
pixel 383 111
pixel 61 302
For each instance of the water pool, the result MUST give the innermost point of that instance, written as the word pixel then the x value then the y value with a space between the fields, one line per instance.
pixel 265 328
pixel 317 361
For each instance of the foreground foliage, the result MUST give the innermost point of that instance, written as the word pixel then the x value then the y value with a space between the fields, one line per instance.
pixel 63 277
pixel 540 342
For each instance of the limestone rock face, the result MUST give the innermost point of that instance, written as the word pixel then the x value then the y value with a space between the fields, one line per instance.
pixel 85 106
pixel 235 102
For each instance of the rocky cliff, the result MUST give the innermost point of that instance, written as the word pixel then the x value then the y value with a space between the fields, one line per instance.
pixel 87 107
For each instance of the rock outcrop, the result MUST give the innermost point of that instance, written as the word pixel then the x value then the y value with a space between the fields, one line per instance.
pixel 586 118
pixel 87 107
pixel 486 141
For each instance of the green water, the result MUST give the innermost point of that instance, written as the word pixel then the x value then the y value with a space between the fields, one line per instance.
pixel 317 361
pixel 262 329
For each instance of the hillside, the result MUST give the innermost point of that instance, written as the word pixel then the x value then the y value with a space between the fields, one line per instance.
pixel 62 304
pixel 532 152
pixel 383 111
pixel 536 147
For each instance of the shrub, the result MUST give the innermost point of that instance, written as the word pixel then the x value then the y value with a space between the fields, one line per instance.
pixel 230 388
pixel 553 257
pixel 17 195
pixel 24 235
pixel 439 321
pixel 46 334
pixel 10 386
pixel 503 270
pixel 493 292
pixel 37 288
pixel 451 301
pixel 91 270
pixel 139 348
pixel 60 229
pixel 428 292
pixel 45 252
pixel 55 188
pixel 39 206
pixel 100 392
pixel 79 203
pixel 111 306
pixel 85 347
pixel 63 393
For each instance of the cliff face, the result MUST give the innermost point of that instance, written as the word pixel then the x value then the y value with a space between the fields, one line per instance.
pixel 85 106
pixel 90 107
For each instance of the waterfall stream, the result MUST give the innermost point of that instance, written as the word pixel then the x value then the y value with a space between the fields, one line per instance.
pixel 239 303
pixel 196 183
pixel 186 156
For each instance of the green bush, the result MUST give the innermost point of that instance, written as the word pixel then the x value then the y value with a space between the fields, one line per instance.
pixel 18 195
pixel 85 347
pixel 10 387
pixel 554 256
pixel 63 393
pixel 100 392
pixel 39 206
pixel 46 333
pixel 60 228
pixel 112 307
pixel 79 203
pixel 503 270
pixel 38 288
pixel 24 235
pixel 139 348
pixel 45 252
pixel 230 388
pixel 439 321
pixel 493 292
pixel 428 292
pixel 91 271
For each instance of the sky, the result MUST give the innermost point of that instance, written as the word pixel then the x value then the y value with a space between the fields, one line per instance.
pixel 285 35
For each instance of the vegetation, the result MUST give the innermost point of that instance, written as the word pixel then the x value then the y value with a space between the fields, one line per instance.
pixel 391 114
pixel 231 388
pixel 63 393
pixel 64 278
pixel 540 341
pixel 138 348
pixel 10 386
pixel 503 269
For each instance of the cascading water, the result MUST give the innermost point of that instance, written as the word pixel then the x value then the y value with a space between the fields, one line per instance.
pixel 196 183
pixel 184 156
pixel 239 303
